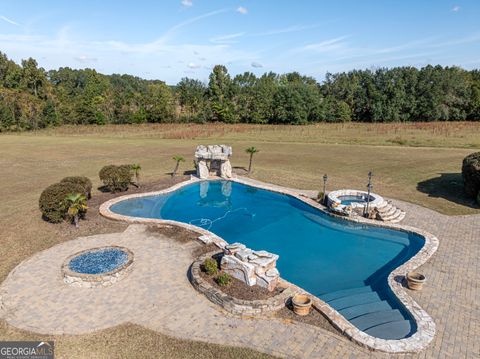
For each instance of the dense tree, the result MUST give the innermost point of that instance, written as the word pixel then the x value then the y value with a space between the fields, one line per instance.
pixel 31 98
pixel 191 94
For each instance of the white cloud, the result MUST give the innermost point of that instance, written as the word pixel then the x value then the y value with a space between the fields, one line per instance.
pixel 327 45
pixel 193 65
pixel 256 64
pixel 456 8
pixel 85 59
pixel 187 3
pixel 242 10
pixel 226 39
pixel 10 21
pixel 187 22
pixel 286 30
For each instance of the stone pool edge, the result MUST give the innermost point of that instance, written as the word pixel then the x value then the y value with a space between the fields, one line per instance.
pixel 425 324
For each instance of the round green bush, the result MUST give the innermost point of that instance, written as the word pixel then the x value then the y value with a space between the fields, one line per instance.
pixel 223 279
pixel 471 174
pixel 82 181
pixel 116 178
pixel 52 200
pixel 210 266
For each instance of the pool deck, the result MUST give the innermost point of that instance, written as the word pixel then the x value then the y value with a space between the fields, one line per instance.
pixel 158 295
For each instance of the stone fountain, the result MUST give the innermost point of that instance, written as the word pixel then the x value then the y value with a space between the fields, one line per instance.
pixel 213 160
pixel 251 267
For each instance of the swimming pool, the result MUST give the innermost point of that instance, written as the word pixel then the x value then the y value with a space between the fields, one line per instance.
pixel 344 263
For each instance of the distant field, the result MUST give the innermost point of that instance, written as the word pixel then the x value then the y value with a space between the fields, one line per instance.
pixel 421 134
pixel 415 162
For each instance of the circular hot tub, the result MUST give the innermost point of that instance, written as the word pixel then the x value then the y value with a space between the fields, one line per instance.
pixel 350 201
pixel 95 267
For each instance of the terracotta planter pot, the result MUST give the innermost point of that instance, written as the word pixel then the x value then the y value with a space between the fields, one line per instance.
pixel 301 304
pixel 415 280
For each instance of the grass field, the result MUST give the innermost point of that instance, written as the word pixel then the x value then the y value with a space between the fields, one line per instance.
pixel 418 163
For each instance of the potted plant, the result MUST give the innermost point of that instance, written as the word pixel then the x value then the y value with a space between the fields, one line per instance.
pixel 415 280
pixel 301 304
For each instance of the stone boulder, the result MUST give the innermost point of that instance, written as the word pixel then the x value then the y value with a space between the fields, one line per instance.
pixel 251 267
pixel 213 159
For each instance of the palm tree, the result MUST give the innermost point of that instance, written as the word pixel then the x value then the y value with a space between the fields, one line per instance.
pixel 136 172
pixel 251 151
pixel 77 205
pixel 177 159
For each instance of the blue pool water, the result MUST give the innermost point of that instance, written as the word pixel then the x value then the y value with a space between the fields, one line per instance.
pixel 349 199
pixel 344 263
pixel 98 261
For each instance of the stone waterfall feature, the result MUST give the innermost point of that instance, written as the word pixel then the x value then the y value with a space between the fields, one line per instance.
pixel 213 160
pixel 251 267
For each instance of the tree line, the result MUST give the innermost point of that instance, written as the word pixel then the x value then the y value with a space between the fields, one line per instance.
pixel 32 98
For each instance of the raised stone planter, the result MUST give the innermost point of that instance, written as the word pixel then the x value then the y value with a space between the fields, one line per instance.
pixel 106 279
pixel 234 305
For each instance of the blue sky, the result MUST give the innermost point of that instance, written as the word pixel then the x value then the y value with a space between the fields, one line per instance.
pixel 169 40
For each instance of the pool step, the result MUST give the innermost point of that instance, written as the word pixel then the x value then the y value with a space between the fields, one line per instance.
pixel 354 300
pixel 391 330
pixel 362 309
pixel 388 212
pixel 365 309
pixel 371 320
pixel 345 293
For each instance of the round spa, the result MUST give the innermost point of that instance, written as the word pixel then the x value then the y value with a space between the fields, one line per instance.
pixel 353 201
pixel 97 267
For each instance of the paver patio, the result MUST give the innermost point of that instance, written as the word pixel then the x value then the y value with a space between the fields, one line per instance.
pixel 158 295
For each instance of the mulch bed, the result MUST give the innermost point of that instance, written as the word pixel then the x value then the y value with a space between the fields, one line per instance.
pixel 239 289
pixel 179 234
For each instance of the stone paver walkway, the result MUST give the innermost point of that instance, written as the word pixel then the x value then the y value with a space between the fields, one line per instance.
pixel 158 295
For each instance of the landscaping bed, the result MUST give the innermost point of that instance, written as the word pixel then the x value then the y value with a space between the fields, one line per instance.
pixel 239 289
pixel 261 301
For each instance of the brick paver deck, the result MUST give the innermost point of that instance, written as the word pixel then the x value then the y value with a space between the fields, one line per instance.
pixel 158 295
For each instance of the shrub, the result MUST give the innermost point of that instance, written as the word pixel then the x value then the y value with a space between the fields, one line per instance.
pixel 223 279
pixel 116 178
pixel 52 200
pixel 471 174
pixel 210 266
pixel 82 181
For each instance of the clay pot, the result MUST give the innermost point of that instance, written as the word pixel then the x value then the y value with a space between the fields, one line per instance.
pixel 415 280
pixel 301 304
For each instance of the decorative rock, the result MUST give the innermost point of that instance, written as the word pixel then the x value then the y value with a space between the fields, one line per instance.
pixel 244 254
pixel 202 169
pixel 241 270
pixel 235 247
pixel 226 169
pixel 206 239
pixel 265 262
pixel 213 158
pixel 267 282
pixel 251 267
